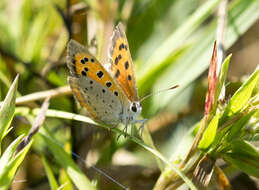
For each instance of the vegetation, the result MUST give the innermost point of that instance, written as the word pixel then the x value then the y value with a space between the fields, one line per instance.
pixel 190 140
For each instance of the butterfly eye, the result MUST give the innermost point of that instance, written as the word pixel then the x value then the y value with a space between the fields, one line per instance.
pixel 134 107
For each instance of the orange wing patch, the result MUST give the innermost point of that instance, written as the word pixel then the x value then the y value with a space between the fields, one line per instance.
pixel 122 65
pixel 87 65
pixel 82 64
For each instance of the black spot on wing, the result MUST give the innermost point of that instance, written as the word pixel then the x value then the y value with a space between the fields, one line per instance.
pixel 126 65
pixel 86 59
pixel 82 61
pixel 99 74
pixel 116 61
pixel 121 46
pixel 117 74
pixel 83 73
pixel 108 84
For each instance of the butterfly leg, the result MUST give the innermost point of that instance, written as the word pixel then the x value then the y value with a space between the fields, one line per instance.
pixel 124 130
pixel 141 128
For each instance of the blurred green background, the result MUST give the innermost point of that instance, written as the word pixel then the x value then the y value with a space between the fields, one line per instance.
pixel 171 43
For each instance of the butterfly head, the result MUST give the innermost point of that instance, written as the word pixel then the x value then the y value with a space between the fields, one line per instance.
pixel 135 109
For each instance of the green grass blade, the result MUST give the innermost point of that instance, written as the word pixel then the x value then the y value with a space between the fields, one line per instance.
pixel 195 60
pixel 235 129
pixel 10 163
pixel 156 70
pixel 174 42
pixel 7 155
pixel 52 181
pixel 7 131
pixel 243 147
pixel 7 109
pixel 65 181
pixel 245 163
pixel 66 162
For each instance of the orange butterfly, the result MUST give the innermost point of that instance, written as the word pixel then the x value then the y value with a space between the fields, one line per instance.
pixel 109 95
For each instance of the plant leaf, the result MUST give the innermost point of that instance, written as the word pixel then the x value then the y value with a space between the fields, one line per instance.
pixel 246 163
pixel 7 155
pixel 212 81
pixel 210 133
pixel 242 95
pixel 235 129
pixel 7 109
pixel 245 148
pixel 222 76
pixel 9 163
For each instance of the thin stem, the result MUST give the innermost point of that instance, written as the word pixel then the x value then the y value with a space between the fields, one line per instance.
pixel 61 91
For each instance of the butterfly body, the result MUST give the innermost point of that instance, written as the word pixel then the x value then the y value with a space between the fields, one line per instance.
pixel 109 95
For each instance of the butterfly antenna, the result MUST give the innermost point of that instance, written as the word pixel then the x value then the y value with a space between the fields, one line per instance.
pixel 158 92
pixel 99 171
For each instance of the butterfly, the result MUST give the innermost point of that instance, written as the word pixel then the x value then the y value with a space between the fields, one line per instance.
pixel 109 94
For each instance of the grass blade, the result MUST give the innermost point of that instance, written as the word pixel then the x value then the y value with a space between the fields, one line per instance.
pixel 65 161
pixel 52 181
pixel 7 109
pixel 9 163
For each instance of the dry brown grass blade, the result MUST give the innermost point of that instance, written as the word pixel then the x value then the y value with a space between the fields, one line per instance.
pixel 212 80
pixel 203 172
pixel 38 122
pixel 61 91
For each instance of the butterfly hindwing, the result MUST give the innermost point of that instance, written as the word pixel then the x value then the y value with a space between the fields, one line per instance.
pixel 97 99
pixel 73 82
pixel 122 65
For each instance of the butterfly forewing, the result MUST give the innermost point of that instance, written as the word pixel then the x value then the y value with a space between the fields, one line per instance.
pixel 93 86
pixel 122 65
